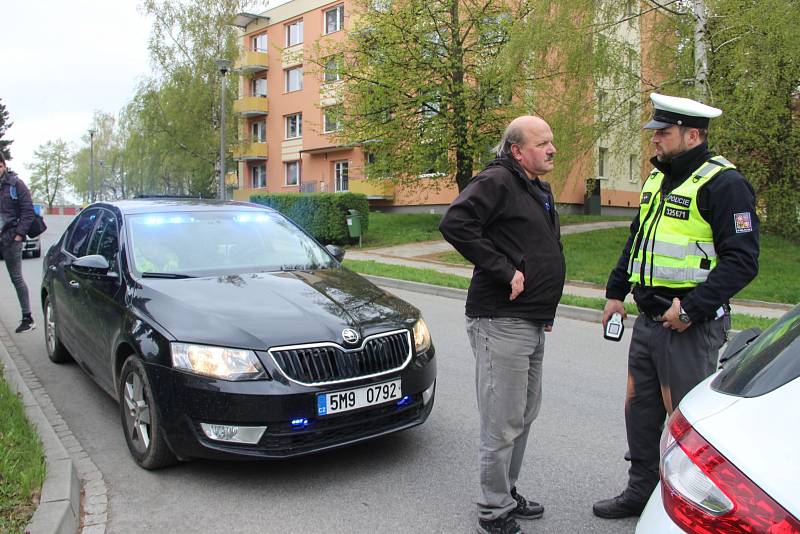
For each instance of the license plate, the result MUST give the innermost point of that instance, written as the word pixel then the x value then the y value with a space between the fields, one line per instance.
pixel 352 399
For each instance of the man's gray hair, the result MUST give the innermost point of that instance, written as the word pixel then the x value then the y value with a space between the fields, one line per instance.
pixel 514 135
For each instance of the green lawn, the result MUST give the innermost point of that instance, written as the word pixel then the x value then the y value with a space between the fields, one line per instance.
pixel 21 464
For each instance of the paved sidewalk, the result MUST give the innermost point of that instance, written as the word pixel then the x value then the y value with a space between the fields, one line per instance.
pixel 420 255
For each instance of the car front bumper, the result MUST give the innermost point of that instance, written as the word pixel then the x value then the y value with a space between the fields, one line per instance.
pixel 186 401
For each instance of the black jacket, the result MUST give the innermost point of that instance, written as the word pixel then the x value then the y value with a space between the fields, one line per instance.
pixel 726 195
pixel 17 214
pixel 503 222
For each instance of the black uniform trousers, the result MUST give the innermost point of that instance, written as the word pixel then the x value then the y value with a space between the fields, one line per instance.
pixel 663 366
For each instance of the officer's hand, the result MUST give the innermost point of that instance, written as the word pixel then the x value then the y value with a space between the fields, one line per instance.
pixel 517 284
pixel 613 306
pixel 671 319
pixel 17 237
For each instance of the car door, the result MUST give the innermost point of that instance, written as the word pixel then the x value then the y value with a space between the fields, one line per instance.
pixel 100 298
pixel 64 289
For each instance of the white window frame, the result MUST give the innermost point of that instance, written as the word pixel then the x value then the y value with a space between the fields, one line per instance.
pixel 287 165
pixel 294 32
pixel 299 79
pixel 332 71
pixel 602 161
pixel 633 168
pixel 254 86
pixel 258 131
pixel 258 176
pixel 258 43
pixel 293 126
pixel 341 176
pixel 337 19
pixel 327 127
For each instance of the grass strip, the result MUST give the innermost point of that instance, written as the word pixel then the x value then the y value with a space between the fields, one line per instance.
pixel 22 466
pixel 740 321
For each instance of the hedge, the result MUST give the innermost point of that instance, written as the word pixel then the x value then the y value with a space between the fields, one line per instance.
pixel 323 215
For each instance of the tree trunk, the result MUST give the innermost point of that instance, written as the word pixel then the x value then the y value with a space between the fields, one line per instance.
pixel 700 56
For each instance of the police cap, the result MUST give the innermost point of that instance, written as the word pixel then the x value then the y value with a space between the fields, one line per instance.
pixel 671 110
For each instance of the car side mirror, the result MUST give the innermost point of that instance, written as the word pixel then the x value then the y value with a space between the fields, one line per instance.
pixel 93 265
pixel 336 252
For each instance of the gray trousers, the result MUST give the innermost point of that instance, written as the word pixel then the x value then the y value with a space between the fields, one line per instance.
pixel 508 379
pixel 12 254
pixel 663 366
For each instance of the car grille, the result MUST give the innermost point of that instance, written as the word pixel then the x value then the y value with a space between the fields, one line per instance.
pixel 326 363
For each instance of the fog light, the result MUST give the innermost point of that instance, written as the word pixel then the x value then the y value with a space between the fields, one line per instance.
pixel 299 423
pixel 233 434
pixel 427 395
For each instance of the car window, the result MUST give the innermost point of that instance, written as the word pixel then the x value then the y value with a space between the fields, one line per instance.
pixel 769 362
pixel 104 238
pixel 79 237
pixel 221 242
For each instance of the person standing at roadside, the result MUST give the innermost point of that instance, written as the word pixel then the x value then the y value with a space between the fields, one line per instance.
pixel 506 224
pixel 693 246
pixel 16 211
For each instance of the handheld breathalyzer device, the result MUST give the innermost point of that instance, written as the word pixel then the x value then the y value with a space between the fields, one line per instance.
pixel 614 328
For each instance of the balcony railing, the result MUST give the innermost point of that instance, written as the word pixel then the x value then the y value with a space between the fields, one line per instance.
pixel 251 61
pixel 250 151
pixel 373 190
pixel 251 106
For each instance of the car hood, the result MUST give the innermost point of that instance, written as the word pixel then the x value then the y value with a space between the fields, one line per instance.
pixel 262 310
pixel 759 435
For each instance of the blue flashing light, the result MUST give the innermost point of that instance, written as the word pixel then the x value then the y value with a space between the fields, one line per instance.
pixel 154 220
pixel 405 401
pixel 242 218
pixel 299 423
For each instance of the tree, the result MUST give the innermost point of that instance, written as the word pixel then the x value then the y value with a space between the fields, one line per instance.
pixel 51 163
pixel 5 144
pixel 106 172
pixel 429 85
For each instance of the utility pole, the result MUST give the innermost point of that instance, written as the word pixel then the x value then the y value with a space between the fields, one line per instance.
pixel 92 131
pixel 224 65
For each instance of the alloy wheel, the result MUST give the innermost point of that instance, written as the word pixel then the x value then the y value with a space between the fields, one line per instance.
pixel 137 412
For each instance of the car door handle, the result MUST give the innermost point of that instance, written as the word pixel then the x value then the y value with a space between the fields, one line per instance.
pixel 74 284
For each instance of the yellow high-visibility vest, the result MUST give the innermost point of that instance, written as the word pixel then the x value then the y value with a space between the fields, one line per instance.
pixel 674 246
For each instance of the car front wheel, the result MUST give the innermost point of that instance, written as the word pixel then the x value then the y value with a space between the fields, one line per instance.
pixel 55 349
pixel 140 419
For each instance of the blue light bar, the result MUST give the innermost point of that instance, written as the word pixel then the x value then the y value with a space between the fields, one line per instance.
pixel 405 401
pixel 300 422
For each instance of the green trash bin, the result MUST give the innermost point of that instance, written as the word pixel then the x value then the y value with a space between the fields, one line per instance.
pixel 354 224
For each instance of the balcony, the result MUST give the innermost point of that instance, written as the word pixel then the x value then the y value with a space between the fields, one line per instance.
pixel 251 61
pixel 251 106
pixel 250 151
pixel 373 190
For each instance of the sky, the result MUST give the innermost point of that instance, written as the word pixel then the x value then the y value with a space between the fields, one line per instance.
pixel 60 61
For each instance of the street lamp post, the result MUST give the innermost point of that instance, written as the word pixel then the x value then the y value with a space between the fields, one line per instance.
pixel 92 131
pixel 223 65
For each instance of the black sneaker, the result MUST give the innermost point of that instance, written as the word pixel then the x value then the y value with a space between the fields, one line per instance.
pixel 618 507
pixel 525 509
pixel 501 525
pixel 25 325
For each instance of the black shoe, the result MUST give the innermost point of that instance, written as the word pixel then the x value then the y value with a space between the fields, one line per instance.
pixel 501 525
pixel 525 509
pixel 26 325
pixel 618 507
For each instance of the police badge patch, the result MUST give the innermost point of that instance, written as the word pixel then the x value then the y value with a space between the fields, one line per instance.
pixel 742 222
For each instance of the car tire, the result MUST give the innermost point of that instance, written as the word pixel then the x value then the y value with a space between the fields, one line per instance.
pixel 140 418
pixel 56 350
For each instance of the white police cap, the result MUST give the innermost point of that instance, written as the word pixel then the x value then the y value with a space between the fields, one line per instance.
pixel 670 110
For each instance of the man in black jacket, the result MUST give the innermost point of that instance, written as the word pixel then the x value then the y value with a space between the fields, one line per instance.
pixel 16 211
pixel 506 224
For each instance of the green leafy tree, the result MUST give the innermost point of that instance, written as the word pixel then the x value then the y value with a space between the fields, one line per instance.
pixel 51 163
pixel 106 172
pixel 5 144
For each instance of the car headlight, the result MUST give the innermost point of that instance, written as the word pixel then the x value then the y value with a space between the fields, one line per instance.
pixel 217 362
pixel 422 337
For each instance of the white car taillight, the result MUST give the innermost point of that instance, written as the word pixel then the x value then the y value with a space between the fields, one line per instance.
pixel 705 493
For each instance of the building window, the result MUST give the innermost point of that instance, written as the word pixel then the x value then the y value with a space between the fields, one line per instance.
pixel 294 126
pixel 633 115
pixel 333 65
pixel 601 104
pixel 258 43
pixel 601 162
pixel 382 5
pixel 340 175
pixel 258 86
pixel 294 33
pixel 633 168
pixel 334 19
pixel 332 119
pixel 259 175
pixel 259 131
pixel 292 172
pixel 294 79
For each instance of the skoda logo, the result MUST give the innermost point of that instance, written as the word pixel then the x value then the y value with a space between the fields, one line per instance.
pixel 350 336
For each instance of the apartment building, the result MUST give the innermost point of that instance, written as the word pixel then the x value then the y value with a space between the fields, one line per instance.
pixel 287 109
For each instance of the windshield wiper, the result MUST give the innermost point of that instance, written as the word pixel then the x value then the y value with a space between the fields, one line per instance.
pixel 165 275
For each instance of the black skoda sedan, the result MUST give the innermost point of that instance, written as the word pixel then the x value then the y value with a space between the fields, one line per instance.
pixel 225 331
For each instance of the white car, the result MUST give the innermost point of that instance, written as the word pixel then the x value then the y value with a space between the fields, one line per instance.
pixel 730 454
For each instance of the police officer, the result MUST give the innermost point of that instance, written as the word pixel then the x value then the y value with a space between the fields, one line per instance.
pixel 693 246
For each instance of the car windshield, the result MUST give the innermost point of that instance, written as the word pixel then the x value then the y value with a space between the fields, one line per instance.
pixel 769 362
pixel 220 242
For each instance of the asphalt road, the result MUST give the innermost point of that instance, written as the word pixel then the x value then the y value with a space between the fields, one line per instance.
pixel 421 480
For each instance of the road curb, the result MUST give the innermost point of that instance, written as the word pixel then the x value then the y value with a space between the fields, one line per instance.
pixel 59 507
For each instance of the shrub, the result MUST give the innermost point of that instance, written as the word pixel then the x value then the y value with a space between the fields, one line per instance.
pixel 323 215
